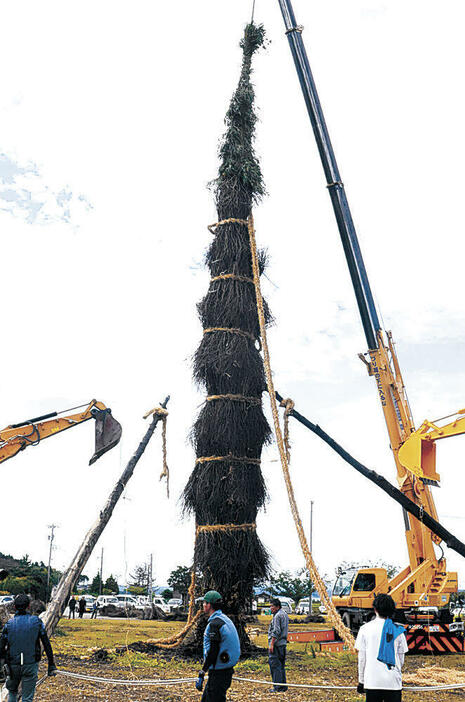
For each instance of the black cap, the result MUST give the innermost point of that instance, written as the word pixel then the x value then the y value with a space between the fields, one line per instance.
pixel 22 601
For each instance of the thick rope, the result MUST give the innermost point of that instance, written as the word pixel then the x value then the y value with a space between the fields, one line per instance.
pixel 236 398
pixel 231 220
pixel 333 615
pixel 231 330
pixel 289 406
pixel 235 459
pixel 163 413
pixel 232 276
pixel 224 527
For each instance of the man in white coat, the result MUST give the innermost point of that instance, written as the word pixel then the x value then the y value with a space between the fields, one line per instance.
pixel 381 647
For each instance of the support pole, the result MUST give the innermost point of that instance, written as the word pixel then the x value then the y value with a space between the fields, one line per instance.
pixel 417 511
pixel 70 577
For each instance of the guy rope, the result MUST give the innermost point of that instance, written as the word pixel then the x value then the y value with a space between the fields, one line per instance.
pixel 333 615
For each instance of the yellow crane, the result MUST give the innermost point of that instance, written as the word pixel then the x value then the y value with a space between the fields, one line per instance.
pixel 425 581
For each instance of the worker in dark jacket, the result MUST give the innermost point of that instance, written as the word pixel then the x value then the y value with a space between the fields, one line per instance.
pixel 82 604
pixel 20 650
pixel 221 650
pixel 72 607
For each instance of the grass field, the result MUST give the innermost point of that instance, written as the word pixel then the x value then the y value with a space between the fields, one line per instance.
pixel 75 643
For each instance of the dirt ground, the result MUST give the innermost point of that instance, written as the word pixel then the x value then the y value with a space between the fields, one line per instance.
pixel 77 641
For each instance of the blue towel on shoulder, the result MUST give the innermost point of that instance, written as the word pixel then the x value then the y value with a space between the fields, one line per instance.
pixel 386 653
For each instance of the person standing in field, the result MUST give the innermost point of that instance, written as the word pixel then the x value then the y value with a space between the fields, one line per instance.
pixel 277 642
pixel 20 650
pixel 381 647
pixel 72 607
pixel 95 606
pixel 221 650
pixel 82 607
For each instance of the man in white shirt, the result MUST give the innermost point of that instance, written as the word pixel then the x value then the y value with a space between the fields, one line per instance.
pixel 381 682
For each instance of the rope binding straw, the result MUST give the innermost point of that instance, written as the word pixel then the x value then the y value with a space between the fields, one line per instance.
pixel 232 276
pixel 236 459
pixel 231 220
pixel 231 330
pixel 235 398
pixel 224 527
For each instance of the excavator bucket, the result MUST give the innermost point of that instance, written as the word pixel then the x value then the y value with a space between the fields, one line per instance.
pixel 107 432
pixel 418 455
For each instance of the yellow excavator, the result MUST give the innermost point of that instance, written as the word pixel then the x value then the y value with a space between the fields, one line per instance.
pixel 425 581
pixel 17 437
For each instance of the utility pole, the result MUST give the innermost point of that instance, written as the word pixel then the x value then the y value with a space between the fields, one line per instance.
pixel 101 574
pixel 150 592
pixel 50 537
pixel 310 541
pixel 311 527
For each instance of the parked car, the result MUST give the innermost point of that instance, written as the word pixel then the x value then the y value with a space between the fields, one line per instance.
pixel 174 603
pixel 90 599
pixel 5 599
pixel 104 600
pixel 303 606
pixel 286 604
pixel 160 602
pixel 127 601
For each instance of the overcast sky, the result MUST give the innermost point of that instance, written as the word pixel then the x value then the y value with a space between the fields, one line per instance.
pixel 110 117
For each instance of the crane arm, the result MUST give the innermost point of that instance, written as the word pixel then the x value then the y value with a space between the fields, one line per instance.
pixel 382 362
pixel 17 437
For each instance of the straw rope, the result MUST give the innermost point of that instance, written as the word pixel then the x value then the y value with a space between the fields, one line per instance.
pixel 224 527
pixel 231 330
pixel 232 276
pixel 230 220
pixel 289 405
pixel 165 473
pixel 333 615
pixel 236 398
pixel 236 459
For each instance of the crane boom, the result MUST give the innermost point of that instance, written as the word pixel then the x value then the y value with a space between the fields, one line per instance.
pixel 426 572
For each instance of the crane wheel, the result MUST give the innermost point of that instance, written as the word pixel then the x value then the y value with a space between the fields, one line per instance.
pixel 347 620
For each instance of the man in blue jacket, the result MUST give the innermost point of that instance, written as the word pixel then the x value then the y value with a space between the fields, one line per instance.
pixel 20 650
pixel 221 650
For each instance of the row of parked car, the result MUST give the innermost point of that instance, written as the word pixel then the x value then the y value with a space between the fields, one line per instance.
pixel 138 602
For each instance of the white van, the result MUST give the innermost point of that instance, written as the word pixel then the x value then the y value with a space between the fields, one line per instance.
pixel 104 600
pixel 127 601
pixel 286 604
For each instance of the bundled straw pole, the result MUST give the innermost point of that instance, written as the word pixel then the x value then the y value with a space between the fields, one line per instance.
pixel 226 488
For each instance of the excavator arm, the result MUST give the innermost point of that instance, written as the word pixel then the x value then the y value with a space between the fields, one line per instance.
pixel 17 437
pixel 418 453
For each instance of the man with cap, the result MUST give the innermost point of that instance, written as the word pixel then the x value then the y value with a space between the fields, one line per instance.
pixel 221 650
pixel 20 648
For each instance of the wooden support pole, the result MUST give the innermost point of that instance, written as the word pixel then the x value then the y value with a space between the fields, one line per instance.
pixel 71 576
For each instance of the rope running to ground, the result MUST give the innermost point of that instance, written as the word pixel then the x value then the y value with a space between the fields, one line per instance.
pixel 163 413
pixel 333 615
pixel 181 681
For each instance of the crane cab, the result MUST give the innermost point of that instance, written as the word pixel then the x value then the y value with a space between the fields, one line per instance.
pixel 354 591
